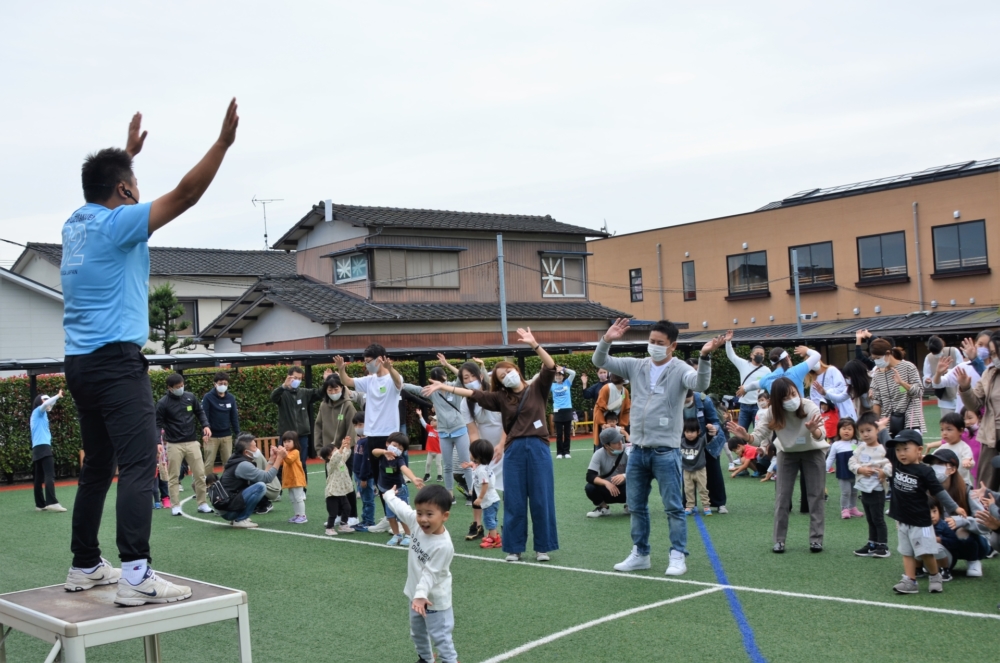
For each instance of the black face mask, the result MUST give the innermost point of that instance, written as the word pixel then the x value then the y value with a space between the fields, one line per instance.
pixel 757 359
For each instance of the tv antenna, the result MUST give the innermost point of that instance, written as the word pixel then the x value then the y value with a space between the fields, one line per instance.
pixel 263 203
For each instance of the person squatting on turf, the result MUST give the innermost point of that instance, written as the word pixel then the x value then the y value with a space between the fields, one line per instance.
pixel 838 460
pixel 945 464
pixel 338 486
pixel 293 477
pixel 428 571
pixel 245 482
pixel 958 538
pixel 911 483
pixel 694 446
pixel 606 473
pixel 871 467
pixel 43 464
pixel 747 455
pixel 660 384
pixel 487 500
pixel 392 468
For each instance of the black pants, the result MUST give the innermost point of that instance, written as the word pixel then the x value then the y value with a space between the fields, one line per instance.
pixel 599 494
pixel 45 474
pixel 352 497
pixel 118 425
pixel 161 489
pixel 338 507
pixel 564 430
pixel 716 484
pixel 373 444
pixel 874 506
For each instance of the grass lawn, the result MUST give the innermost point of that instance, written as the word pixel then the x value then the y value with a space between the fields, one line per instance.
pixel 314 598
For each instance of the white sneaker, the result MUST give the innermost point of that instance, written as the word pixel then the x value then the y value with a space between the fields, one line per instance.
pixel 559 456
pixel 351 522
pixel 634 562
pixel 57 508
pixel 204 508
pixel 732 466
pixel 152 589
pixel 723 509
pixel 246 523
pixel 77 580
pixel 175 511
pixel 678 565
pixel 180 488
pixel 567 456
pixel 380 526
pixel 599 511
pixel 542 557
pixel 513 557
pixel 975 569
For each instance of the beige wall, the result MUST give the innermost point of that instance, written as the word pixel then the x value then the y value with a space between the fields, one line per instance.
pixel 841 221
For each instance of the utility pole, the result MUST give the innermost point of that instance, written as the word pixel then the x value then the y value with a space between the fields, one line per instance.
pixel 798 302
pixel 263 203
pixel 503 289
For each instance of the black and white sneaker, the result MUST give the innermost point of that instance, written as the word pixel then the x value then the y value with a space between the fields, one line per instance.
pixel 881 551
pixel 867 550
pixel 475 532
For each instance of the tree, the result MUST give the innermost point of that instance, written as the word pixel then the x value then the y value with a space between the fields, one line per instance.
pixel 164 319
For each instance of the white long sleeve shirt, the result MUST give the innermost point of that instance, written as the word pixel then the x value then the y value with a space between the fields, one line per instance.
pixel 428 561
pixel 835 390
pixel 747 369
pixel 950 380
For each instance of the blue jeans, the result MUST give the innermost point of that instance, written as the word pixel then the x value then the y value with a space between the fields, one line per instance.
pixel 528 480
pixel 664 465
pixel 402 493
pixel 490 516
pixel 251 496
pixel 747 414
pixel 367 502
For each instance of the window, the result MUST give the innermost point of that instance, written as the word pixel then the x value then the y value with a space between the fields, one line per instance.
pixel 352 267
pixel 882 256
pixel 687 274
pixel 748 274
pixel 635 283
pixel 815 264
pixel 563 276
pixel 400 268
pixel 190 315
pixel 960 247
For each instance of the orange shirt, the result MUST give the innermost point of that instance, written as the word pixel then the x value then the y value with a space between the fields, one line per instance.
pixel 292 474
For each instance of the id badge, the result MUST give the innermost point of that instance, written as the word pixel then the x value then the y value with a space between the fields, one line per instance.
pixel 664 421
pixel 657 390
pixel 538 423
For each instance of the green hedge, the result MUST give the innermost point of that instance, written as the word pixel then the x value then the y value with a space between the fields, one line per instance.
pixel 252 387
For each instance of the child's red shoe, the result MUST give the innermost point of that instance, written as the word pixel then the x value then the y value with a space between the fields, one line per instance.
pixel 491 542
pixel 166 503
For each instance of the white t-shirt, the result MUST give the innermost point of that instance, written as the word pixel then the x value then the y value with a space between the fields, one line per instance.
pixel 489 423
pixel 655 372
pixel 483 474
pixel 381 404
pixel 428 562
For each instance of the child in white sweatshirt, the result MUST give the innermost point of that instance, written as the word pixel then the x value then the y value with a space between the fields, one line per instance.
pixel 428 571
pixel 870 465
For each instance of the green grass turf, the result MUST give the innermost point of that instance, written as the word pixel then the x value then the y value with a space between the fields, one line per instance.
pixel 329 599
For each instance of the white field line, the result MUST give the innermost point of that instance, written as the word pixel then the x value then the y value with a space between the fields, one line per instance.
pixel 347 538
pixel 596 622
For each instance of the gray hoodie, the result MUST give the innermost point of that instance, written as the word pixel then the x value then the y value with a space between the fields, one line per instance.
pixel 447 407
pixel 657 414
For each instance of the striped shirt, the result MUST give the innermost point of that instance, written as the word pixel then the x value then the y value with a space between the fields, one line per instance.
pixel 893 399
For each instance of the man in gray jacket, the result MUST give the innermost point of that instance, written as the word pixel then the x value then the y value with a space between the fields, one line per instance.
pixel 659 387
pixel 244 482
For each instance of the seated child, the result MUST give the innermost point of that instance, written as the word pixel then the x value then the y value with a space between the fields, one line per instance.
pixel 838 459
pixel 694 446
pixel 487 500
pixel 606 473
pixel 363 475
pixel 958 538
pixel 392 467
pixel 870 465
pixel 952 427
pixel 338 486
pixel 747 454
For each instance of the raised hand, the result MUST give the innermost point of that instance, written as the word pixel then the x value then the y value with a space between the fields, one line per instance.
pixel 963 378
pixel 431 387
pixel 338 361
pixel 228 134
pixel 728 335
pixel 617 330
pixel 898 379
pixel 583 379
pixel 944 363
pixel 861 335
pixel 525 336
pixel 327 373
pixel 802 351
pixel 135 139
pixel 713 345
pixel 969 348
pixel 737 430
pixel 818 387
pixel 60 394
pixel 815 423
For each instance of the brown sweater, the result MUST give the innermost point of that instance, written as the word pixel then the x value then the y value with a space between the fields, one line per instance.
pixel 505 402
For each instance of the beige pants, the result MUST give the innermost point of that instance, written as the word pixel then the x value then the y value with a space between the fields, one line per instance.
pixel 697 480
pixel 191 452
pixel 224 445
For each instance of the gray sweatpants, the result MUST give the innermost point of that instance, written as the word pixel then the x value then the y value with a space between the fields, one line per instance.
pixel 435 628
pixel 452 447
pixel 813 466
pixel 848 495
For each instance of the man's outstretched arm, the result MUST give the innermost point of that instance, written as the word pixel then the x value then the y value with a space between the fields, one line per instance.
pixel 188 192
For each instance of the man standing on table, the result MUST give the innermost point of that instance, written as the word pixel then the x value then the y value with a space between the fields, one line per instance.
pixel 105 284
pixel 660 385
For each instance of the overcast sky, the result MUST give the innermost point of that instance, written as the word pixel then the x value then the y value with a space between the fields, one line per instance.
pixel 644 114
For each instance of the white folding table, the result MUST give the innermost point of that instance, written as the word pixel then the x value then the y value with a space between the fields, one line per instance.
pixel 73 621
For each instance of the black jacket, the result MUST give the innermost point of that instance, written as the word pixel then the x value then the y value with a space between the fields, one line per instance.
pixel 178 417
pixel 233 484
pixel 223 416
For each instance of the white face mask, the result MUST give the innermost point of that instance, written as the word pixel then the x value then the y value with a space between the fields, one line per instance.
pixel 394 450
pixel 372 366
pixel 656 352
pixel 792 404
pixel 762 404
pixel 941 472
pixel 881 362
pixel 474 384
pixel 335 397
pixel 360 432
pixel 996 362
pixel 296 383
pixel 179 391
pixel 511 379
pixel 222 388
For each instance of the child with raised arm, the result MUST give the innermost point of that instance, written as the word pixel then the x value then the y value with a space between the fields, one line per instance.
pixel 433 447
pixel 338 486
pixel 428 571
pixel 41 454
pixel 392 467
pixel 870 465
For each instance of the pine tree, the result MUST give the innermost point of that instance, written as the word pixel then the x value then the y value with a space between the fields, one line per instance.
pixel 164 319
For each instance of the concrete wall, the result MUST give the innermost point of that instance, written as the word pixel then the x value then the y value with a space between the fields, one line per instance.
pixel 31 323
pixel 281 324
pixel 42 271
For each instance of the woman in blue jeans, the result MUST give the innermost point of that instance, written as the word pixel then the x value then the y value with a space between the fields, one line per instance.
pixel 527 466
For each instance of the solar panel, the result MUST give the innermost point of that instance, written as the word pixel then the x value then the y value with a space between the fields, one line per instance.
pixel 937 170
pixel 800 194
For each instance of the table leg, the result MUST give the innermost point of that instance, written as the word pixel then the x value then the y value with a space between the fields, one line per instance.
pixel 151 644
pixel 243 624
pixel 73 650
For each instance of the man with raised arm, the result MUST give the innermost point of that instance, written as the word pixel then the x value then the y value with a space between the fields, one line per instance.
pixel 660 385
pixel 105 283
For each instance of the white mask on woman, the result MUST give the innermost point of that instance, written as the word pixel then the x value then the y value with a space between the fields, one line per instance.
pixel 792 404
pixel 941 472
pixel 474 384
pixel 335 397
pixel 881 362
pixel 511 379
pixel 656 352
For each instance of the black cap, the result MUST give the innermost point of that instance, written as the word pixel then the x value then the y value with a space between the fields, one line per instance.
pixel 942 456
pixel 907 435
pixel 611 436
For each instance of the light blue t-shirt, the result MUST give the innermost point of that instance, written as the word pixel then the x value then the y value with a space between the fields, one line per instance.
pixel 40 427
pixel 105 277
pixel 796 374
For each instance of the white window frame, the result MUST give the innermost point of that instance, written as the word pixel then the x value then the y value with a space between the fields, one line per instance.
pixel 553 273
pixel 349 257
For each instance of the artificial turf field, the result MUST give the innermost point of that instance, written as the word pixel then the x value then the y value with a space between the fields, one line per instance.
pixel 317 598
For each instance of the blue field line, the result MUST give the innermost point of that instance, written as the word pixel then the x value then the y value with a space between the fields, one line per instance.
pixel 749 642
